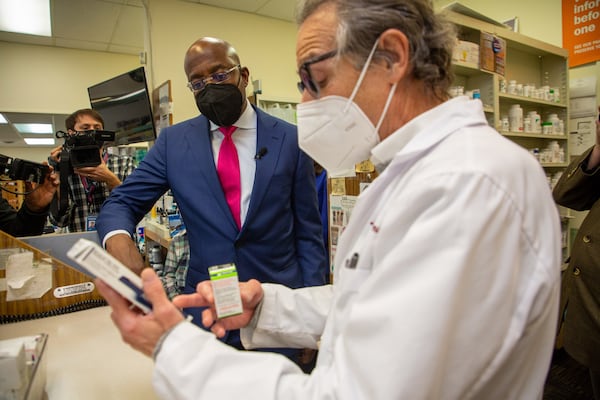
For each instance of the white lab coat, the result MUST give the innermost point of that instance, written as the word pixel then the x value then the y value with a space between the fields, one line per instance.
pixel 454 294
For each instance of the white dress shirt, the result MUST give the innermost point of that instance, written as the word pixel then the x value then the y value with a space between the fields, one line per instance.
pixel 452 294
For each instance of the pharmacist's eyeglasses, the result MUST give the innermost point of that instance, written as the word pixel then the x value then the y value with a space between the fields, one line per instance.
pixel 306 79
pixel 217 77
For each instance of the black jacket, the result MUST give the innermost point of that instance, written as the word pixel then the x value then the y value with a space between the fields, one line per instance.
pixel 22 223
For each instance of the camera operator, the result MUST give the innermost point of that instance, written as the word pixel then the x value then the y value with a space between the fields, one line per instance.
pixel 31 217
pixel 88 187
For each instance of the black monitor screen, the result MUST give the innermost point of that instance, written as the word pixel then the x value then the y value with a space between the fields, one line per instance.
pixel 124 104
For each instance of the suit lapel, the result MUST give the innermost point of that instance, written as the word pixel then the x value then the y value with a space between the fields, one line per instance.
pixel 269 137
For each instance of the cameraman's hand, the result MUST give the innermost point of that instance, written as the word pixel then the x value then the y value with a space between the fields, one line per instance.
pixel 99 173
pixel 41 195
pixel 55 154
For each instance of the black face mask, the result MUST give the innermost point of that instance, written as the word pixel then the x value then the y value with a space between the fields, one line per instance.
pixel 222 104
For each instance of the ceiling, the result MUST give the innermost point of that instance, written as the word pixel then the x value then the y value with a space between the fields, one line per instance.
pixel 115 26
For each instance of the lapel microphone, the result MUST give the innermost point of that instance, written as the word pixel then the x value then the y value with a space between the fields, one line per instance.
pixel 261 152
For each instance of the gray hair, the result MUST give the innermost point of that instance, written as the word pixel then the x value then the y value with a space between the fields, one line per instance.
pixel 431 37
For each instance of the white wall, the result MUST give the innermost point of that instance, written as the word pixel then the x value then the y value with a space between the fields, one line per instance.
pixel 43 79
pixel 538 19
pixel 266 46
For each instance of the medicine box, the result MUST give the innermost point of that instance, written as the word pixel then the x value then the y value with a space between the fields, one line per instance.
pixel 492 53
pixel 466 52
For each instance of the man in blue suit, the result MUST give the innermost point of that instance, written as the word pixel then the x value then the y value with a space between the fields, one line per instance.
pixel 274 235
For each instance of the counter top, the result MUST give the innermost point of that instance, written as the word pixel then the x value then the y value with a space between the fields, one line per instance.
pixel 86 358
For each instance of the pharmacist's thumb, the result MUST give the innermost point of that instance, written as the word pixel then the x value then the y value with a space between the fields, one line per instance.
pixel 163 310
pixel 153 288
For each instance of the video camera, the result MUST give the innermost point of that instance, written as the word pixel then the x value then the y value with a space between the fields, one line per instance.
pixel 23 170
pixel 83 148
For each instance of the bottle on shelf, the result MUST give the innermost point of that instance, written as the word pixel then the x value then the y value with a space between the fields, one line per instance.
pixel 536 121
pixel 515 118
pixel 504 124
pixel 155 258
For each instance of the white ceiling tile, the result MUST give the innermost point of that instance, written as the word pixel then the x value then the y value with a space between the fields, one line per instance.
pixel 89 19
pixel 240 5
pixel 281 9
pixel 129 28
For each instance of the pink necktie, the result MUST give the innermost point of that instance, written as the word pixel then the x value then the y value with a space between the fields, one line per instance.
pixel 228 168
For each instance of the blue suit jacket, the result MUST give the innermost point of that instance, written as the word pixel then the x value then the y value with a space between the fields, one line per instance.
pixel 280 240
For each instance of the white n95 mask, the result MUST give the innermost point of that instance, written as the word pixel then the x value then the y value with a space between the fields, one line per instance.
pixel 335 135
pixel 335 132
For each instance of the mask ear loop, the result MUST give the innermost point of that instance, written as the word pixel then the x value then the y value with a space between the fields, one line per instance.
pixel 240 77
pixel 387 105
pixel 362 75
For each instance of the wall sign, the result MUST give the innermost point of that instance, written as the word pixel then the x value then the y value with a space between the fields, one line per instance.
pixel 581 30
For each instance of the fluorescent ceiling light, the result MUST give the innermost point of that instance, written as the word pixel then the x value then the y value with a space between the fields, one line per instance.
pixel 3 120
pixel 34 128
pixel 39 141
pixel 26 16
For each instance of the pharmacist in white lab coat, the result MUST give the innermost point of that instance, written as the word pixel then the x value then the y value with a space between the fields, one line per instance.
pixel 446 277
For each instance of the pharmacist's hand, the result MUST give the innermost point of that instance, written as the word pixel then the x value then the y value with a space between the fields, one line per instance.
pixel 251 293
pixel 142 331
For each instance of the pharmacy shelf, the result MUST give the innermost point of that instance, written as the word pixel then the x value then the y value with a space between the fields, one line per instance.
pixel 527 61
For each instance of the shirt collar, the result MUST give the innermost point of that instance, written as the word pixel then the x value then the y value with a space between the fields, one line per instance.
pixel 438 122
pixel 246 121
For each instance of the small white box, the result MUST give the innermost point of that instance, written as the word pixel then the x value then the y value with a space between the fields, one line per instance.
pixel 226 290
pixel 13 366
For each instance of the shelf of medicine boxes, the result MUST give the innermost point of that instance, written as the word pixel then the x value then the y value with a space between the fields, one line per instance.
pixel 528 61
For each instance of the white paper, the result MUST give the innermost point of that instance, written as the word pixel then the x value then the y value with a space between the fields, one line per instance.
pixel 5 253
pixel 582 134
pixel 583 87
pixel 582 107
pixel 347 173
pixel 24 280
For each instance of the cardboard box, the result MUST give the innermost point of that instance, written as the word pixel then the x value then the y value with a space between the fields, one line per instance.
pixel 466 52
pixel 492 53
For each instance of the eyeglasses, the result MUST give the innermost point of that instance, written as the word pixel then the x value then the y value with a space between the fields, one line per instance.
pixel 216 77
pixel 306 79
